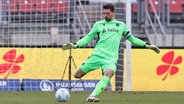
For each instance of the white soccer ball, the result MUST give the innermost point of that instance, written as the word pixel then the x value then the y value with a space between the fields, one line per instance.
pixel 62 95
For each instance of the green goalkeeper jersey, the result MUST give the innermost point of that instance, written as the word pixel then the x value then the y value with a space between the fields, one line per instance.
pixel 109 37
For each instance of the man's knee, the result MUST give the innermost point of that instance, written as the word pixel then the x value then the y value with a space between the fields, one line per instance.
pixel 109 73
pixel 79 73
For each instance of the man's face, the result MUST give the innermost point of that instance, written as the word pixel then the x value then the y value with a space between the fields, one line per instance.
pixel 108 14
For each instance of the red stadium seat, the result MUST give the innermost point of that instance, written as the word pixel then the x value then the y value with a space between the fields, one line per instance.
pixel 134 8
pixel 176 6
pixel 26 6
pixel 14 6
pixel 23 6
pixel 155 4
pixel 42 6
pixel 60 6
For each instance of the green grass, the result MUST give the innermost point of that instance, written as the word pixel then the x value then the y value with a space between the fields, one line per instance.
pixel 105 98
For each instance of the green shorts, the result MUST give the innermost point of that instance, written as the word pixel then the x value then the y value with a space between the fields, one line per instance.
pixel 95 62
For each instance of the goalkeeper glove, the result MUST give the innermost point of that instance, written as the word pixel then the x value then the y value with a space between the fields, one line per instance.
pixel 153 47
pixel 69 46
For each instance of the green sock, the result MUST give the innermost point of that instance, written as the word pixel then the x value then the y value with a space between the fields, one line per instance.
pixel 101 85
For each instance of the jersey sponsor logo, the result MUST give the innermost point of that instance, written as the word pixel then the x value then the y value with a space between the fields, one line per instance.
pixel 103 31
pixel 110 30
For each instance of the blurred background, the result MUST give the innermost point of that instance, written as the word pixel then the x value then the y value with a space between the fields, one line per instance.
pixel 45 22
pixel 32 32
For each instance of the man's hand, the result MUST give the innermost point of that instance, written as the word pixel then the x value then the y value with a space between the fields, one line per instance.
pixel 153 47
pixel 69 46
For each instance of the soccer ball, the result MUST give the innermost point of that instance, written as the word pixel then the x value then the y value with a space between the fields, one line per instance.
pixel 62 95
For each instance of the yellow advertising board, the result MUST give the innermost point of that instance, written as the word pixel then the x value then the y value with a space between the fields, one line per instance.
pixel 43 63
pixel 149 71
pixel 157 72
pixel 40 63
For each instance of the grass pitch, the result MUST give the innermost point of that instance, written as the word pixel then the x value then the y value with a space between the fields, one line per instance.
pixel 105 98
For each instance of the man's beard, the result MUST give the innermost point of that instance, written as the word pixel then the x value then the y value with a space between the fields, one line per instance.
pixel 108 19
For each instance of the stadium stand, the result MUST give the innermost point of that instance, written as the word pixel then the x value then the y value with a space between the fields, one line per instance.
pixel 60 6
pixel 175 6
pixel 47 13
pixel 32 6
pixel 32 10
pixel 42 6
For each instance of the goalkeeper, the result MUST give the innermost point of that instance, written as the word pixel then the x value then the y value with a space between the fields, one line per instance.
pixel 105 54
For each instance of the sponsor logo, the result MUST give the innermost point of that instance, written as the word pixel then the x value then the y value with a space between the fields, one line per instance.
pixel 46 85
pixel 12 63
pixel 3 83
pixel 169 65
pixel 110 30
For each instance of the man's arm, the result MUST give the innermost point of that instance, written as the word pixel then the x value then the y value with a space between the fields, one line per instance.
pixel 85 40
pixel 89 36
pixel 136 41
pixel 79 43
pixel 142 43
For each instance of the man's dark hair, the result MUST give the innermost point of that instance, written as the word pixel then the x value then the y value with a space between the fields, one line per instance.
pixel 109 6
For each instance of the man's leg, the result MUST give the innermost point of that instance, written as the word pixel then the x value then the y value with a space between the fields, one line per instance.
pixel 100 86
pixel 79 73
pixel 91 64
